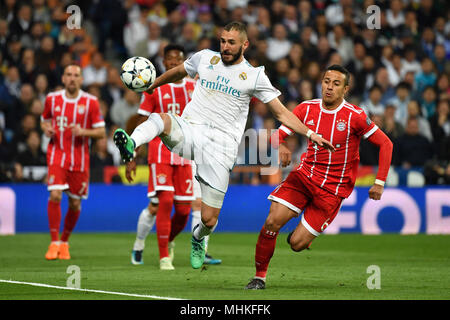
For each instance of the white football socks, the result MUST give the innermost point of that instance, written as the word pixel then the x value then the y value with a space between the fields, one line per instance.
pixel 146 222
pixel 196 219
pixel 203 231
pixel 148 130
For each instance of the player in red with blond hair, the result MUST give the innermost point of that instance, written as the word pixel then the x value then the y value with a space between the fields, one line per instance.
pixel 323 179
pixel 71 117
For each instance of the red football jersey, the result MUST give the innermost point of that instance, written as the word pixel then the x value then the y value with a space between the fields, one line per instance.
pixel 343 127
pixel 169 98
pixel 64 149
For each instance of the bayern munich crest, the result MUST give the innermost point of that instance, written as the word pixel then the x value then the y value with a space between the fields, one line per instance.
pixel 341 125
pixel 162 179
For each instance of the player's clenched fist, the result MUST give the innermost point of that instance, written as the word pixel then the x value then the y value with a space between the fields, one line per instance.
pixel 285 155
pixel 376 191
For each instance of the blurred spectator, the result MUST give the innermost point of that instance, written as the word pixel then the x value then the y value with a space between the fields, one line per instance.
pixel 41 13
pixel 400 101
pixel 395 70
pixel 410 63
pixel 21 24
pixel 13 52
pixel 46 57
pixel 28 124
pixel 32 155
pixel 278 44
pixel 439 59
pixel 3 35
pixel 428 102
pixel 188 38
pixel 124 108
pixel 100 156
pixel 26 96
pixel 424 124
pixel 95 73
pixel 206 22
pixel 113 89
pixel 339 41
pixel 41 85
pixel 440 123
pixel 305 17
pixel 149 47
pixel 28 68
pixel 174 26
pixel 110 17
pixel 443 86
pixel 391 127
pixel 425 77
pixel 324 52
pixel 412 148
pixel 394 15
pixel 373 104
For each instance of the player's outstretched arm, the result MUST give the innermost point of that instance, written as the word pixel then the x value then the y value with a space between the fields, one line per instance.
pixel 380 139
pixel 171 75
pixel 291 121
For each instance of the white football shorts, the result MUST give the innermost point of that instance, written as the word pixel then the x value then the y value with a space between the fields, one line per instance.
pixel 213 151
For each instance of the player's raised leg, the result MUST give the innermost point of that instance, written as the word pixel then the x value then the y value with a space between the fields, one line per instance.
pixel 279 215
pixel 155 125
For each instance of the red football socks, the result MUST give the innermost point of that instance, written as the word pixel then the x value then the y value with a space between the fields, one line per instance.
pixel 69 223
pixel 265 248
pixel 163 222
pixel 179 219
pixel 54 219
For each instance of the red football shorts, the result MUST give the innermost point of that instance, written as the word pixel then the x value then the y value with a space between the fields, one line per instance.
pixel 166 177
pixel 299 194
pixel 74 183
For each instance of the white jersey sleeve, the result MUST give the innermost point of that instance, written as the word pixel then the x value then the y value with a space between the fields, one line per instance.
pixel 264 90
pixel 191 64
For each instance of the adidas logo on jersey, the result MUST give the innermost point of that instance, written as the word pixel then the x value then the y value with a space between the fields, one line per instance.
pixel 166 96
pixel 310 122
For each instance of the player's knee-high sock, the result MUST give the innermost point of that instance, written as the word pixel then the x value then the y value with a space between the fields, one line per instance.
pixel 146 222
pixel 179 219
pixel 163 222
pixel 264 251
pixel 196 218
pixel 202 231
pixel 148 130
pixel 69 223
pixel 54 219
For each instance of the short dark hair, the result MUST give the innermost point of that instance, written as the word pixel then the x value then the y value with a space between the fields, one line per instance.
pixel 238 26
pixel 341 69
pixel 173 46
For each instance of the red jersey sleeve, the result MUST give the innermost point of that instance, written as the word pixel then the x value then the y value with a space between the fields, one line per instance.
pixel 95 115
pixel 148 103
pixel 47 113
pixel 364 126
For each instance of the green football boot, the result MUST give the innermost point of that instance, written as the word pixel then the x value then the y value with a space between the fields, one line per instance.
pixel 125 145
pixel 197 252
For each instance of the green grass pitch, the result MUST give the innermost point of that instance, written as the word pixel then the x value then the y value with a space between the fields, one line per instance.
pixel 411 267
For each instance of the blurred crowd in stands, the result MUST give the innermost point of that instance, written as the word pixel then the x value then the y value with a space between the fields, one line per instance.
pixel 400 71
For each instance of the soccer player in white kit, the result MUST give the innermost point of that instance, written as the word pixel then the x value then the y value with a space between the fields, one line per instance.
pixel 213 122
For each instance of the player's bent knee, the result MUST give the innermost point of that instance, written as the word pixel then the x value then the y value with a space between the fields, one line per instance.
pixel 74 204
pixel 167 120
pixel 56 195
pixel 299 246
pixel 272 224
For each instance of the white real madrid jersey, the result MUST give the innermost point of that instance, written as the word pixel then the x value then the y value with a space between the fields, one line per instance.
pixel 222 94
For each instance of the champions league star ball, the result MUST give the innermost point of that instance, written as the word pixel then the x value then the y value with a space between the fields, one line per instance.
pixel 138 74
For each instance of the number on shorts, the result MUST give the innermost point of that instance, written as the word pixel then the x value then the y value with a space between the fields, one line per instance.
pixel 189 188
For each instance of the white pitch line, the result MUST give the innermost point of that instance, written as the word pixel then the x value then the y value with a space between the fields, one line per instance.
pixel 89 290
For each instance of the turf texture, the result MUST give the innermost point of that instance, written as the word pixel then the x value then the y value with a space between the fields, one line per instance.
pixel 411 267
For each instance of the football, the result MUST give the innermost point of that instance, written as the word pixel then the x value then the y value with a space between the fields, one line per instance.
pixel 138 74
